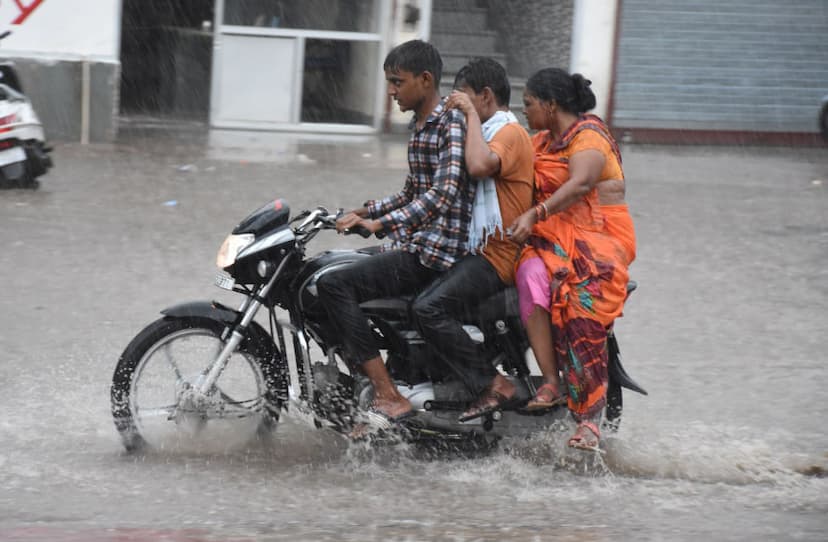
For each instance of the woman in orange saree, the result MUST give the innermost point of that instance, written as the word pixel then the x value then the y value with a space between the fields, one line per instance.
pixel 572 273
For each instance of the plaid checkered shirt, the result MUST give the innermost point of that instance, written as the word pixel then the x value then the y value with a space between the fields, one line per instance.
pixel 431 214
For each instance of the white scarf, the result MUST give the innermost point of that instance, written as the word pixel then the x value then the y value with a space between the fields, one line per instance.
pixel 486 208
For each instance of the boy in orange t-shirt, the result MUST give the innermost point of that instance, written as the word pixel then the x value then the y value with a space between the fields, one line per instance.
pixel 499 156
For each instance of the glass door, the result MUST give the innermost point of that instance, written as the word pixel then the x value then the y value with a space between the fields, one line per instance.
pixel 299 64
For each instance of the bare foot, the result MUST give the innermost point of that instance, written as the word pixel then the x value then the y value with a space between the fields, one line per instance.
pixel 392 408
pixel 503 386
pixel 382 415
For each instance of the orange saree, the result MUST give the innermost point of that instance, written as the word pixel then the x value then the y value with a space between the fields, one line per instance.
pixel 587 266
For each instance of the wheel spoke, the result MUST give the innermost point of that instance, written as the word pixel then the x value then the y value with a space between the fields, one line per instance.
pixel 240 408
pixel 166 349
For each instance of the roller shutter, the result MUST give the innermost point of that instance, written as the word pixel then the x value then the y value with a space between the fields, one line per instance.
pixel 743 65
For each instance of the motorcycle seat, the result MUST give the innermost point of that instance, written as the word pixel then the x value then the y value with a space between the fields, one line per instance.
pixel 388 305
pixel 503 304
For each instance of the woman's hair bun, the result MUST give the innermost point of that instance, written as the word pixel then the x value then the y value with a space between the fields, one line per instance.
pixel 584 96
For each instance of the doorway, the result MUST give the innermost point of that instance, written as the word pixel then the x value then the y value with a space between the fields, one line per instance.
pixel 166 58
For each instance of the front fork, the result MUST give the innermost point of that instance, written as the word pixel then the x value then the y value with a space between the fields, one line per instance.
pixel 249 309
pixel 301 367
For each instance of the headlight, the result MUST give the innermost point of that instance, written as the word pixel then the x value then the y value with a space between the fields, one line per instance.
pixel 265 269
pixel 231 247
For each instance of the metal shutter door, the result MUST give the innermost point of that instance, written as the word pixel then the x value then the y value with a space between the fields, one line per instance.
pixel 743 65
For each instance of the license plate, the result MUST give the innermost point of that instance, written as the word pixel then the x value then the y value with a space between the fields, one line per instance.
pixel 10 156
pixel 223 281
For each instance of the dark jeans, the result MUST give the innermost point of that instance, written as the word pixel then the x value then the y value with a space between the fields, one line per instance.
pixel 387 274
pixel 439 309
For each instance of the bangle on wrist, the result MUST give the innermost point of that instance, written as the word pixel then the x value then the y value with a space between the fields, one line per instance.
pixel 540 212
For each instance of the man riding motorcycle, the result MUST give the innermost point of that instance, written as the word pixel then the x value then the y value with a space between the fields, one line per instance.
pixel 428 221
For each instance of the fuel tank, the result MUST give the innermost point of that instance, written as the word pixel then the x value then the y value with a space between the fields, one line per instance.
pixel 315 267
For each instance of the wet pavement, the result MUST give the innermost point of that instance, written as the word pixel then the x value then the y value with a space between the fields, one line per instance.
pixel 727 331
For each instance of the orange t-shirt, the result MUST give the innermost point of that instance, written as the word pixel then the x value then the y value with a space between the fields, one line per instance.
pixel 514 185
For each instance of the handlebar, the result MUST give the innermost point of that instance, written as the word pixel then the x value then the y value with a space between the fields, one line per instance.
pixel 321 219
pixel 359 230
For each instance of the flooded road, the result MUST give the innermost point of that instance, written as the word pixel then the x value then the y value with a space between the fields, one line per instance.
pixel 727 331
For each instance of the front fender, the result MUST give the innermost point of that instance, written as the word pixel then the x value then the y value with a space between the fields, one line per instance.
pixel 205 309
pixel 213 310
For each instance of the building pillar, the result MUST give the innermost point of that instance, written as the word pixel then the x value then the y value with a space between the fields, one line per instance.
pixel 593 47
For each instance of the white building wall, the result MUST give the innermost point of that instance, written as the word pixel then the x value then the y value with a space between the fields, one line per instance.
pixel 593 42
pixel 62 29
pixel 66 53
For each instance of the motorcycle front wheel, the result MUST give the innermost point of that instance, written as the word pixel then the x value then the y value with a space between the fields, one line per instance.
pixel 156 402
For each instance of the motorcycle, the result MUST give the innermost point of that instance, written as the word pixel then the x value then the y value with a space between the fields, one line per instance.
pixel 205 364
pixel 24 155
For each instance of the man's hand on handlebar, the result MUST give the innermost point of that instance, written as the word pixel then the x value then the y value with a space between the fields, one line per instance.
pixel 362 212
pixel 352 221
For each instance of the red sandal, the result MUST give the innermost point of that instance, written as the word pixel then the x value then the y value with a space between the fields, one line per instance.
pixel 579 441
pixel 546 397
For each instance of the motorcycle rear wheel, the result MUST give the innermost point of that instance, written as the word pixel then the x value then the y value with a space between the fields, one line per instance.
pixel 153 386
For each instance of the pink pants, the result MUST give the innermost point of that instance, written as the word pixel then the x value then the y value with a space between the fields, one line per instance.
pixel 534 287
